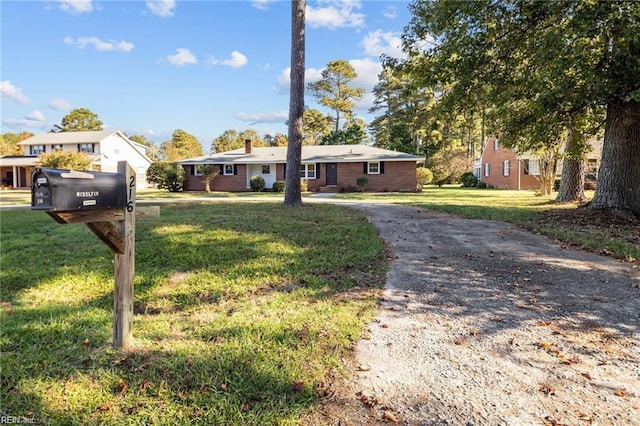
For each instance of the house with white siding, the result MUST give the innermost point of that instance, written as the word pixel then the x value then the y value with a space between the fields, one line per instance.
pixel 105 148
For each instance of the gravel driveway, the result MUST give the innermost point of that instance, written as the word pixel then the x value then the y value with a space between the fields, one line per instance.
pixel 483 323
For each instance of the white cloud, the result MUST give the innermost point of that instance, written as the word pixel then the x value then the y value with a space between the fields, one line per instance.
pixel 390 12
pixel 34 119
pixel 262 4
pixel 59 104
pixel 76 6
pixel 284 79
pixel 182 57
pixel 162 8
pixel 335 14
pixel 379 42
pixel 12 93
pixel 368 71
pixel 263 117
pixel 237 60
pixel 100 45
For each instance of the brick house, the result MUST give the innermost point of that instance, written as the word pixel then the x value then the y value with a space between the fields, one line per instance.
pixel 502 168
pixel 327 168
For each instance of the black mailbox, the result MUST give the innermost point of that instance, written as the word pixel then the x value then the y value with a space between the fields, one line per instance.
pixel 67 190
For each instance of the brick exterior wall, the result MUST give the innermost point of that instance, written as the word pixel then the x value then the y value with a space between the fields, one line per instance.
pixel 398 176
pixel 495 158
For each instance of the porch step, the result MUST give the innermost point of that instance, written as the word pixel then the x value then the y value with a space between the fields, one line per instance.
pixel 328 189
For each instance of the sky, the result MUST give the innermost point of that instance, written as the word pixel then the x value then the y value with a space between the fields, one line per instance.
pixel 204 66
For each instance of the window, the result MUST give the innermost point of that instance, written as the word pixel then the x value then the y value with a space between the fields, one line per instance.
pixel 197 169
pixel 37 149
pixel 56 147
pixel 308 171
pixel 86 147
pixel 505 167
pixel 373 168
pixel 531 167
pixel 496 144
pixel 228 170
pixel 486 169
pixel 266 169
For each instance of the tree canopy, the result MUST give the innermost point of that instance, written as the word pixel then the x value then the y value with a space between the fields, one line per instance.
pixel 182 145
pixel 334 92
pixel 541 66
pixel 79 120
pixel 9 143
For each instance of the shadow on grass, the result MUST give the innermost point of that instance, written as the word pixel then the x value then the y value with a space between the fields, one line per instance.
pixel 195 264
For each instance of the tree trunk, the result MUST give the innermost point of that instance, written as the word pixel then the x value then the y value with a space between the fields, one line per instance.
pixel 619 175
pixel 293 194
pixel 572 181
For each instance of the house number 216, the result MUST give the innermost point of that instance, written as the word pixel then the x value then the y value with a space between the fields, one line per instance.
pixel 132 187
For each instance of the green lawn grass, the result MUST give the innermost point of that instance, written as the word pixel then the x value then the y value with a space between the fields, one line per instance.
pixel 243 312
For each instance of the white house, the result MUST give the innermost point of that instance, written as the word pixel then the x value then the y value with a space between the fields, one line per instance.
pixel 105 147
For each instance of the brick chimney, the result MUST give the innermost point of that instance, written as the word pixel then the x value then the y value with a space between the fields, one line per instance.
pixel 248 146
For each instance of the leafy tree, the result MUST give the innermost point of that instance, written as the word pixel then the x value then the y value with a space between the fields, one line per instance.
pixel 557 58
pixel 333 90
pixel 166 175
pixel 353 133
pixel 153 151
pixel 79 120
pixel 232 139
pixel 209 173
pixel 316 125
pixel 279 140
pixel 60 159
pixel 9 143
pixel 182 145
pixel 293 189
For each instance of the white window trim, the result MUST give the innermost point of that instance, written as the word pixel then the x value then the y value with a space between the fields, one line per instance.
pixel 305 173
pixel 506 165
pixel 197 169
pixel 369 168
pixel 37 149
pixel 224 170
pixel 486 169
pixel 496 144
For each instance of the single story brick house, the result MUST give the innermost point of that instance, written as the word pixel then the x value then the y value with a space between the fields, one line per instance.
pixel 326 168
pixel 104 147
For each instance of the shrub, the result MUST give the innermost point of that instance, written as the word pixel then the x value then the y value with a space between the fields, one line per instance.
pixel 424 177
pixel 166 175
pixel 468 180
pixel 257 183
pixel 481 185
pixel 65 160
pixel 556 185
pixel 278 186
pixel 362 182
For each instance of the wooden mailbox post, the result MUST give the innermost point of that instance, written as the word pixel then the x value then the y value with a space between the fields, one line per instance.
pixel 98 200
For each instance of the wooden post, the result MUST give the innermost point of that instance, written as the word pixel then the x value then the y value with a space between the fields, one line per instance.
pixel 125 264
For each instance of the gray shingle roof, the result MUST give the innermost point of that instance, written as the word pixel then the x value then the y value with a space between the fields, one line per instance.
pixel 310 154
pixel 68 137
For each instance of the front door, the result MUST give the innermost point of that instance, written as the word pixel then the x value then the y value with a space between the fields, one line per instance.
pixel 332 174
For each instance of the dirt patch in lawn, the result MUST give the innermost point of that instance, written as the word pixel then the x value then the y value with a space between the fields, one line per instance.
pixel 485 323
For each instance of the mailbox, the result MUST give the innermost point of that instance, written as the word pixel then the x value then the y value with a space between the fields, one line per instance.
pixel 68 190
